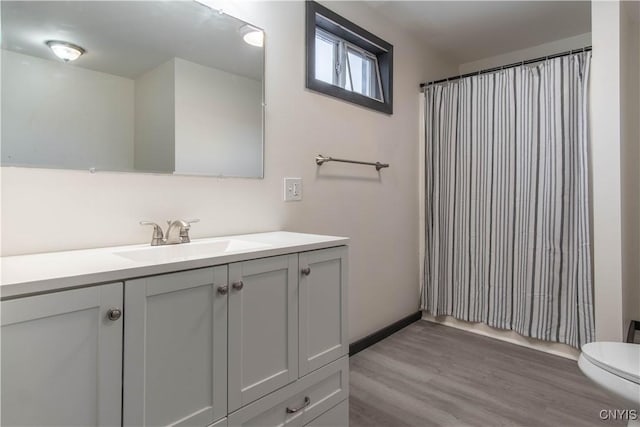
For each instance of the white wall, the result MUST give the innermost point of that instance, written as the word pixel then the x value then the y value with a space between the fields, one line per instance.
pixel 557 46
pixel 155 119
pixel 378 211
pixel 630 158
pixel 218 122
pixel 609 182
pixel 54 101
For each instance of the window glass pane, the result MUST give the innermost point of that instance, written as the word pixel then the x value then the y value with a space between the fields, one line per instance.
pixel 356 65
pixel 325 60
pixel 348 79
pixel 364 74
pixel 345 80
pixel 372 78
pixel 370 73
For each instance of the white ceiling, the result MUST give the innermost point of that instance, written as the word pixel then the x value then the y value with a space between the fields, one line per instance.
pixel 129 38
pixel 466 31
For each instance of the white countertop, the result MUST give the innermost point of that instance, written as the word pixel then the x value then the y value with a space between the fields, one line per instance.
pixel 29 274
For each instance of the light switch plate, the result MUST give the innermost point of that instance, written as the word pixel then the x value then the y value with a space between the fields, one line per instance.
pixel 292 189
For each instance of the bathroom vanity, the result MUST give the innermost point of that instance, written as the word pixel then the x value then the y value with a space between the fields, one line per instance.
pixel 244 330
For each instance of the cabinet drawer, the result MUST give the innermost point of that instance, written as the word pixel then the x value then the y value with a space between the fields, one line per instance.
pixel 220 423
pixel 310 396
pixel 338 416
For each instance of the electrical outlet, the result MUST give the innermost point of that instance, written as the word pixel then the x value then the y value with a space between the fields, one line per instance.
pixel 292 189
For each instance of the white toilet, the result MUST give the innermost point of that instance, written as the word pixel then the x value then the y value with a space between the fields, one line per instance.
pixel 614 366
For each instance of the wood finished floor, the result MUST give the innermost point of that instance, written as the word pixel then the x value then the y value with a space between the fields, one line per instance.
pixel 433 375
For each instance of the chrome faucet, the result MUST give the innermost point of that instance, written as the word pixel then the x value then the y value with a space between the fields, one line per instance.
pixel 177 232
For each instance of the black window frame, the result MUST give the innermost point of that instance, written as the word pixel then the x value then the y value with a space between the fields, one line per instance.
pixel 329 21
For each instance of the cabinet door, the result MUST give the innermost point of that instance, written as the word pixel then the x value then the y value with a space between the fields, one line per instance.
pixel 62 358
pixel 263 327
pixel 323 307
pixel 175 356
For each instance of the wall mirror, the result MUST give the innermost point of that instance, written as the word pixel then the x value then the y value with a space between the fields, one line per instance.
pixel 142 86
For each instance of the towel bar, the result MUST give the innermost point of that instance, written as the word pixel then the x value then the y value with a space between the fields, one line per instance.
pixel 320 160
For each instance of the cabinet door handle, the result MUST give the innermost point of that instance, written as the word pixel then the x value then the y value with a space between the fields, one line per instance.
pixel 238 285
pixel 114 314
pixel 306 271
pixel 306 403
pixel 223 289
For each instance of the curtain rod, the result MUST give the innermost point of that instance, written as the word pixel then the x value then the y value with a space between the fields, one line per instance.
pixel 504 67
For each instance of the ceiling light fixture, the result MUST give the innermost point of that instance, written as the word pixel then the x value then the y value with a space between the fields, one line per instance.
pixel 64 50
pixel 252 35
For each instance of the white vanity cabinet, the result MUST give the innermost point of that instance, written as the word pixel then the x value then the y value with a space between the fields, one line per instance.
pixel 258 340
pixel 62 358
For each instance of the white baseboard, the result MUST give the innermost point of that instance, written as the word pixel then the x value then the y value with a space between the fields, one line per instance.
pixel 554 348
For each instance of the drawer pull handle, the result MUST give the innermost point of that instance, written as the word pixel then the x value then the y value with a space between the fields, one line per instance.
pixel 306 403
pixel 306 271
pixel 238 285
pixel 223 289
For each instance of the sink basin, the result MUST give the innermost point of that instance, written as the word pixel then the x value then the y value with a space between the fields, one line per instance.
pixel 193 250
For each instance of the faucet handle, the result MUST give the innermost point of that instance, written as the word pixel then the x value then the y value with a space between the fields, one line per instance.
pixel 156 227
pixel 157 236
pixel 184 231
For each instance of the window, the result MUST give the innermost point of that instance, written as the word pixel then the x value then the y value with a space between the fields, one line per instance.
pixel 348 62
pixel 345 65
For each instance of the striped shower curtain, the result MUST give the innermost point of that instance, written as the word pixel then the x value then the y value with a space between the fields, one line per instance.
pixel 507 238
